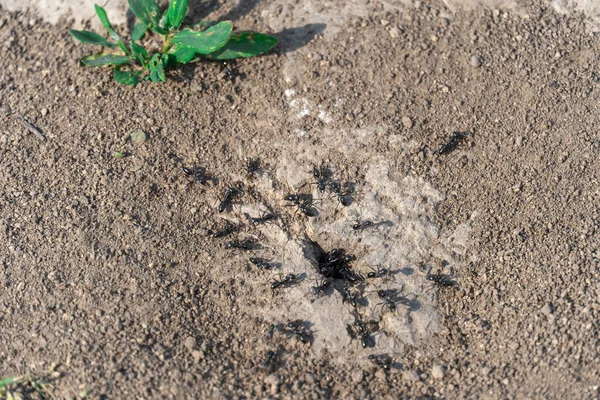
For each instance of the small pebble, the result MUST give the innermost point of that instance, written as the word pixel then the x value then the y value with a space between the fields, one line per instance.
pixel 357 376
pixel 190 343
pixel 138 137
pixel 437 372
pixel 407 122
pixel 411 376
pixel 475 61
pixel 44 112
pixel 380 374
pixel 273 381
pixel 197 355
pixel 547 309
pixel 310 378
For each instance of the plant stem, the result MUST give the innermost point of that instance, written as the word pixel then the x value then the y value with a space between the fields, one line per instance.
pixel 166 44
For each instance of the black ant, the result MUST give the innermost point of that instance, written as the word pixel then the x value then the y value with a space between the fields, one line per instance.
pixel 351 276
pixel 297 329
pixel 198 174
pixel 296 324
pixel 441 280
pixel 261 263
pixel 359 226
pixel 322 286
pixel 230 193
pixel 343 196
pixel 253 167
pixel 339 257
pixel 347 297
pixel 263 219
pixel 229 70
pixel 246 245
pixel 391 298
pixel 272 360
pixel 382 360
pixel 336 264
pixel 305 205
pixel 380 273
pixel 322 176
pixel 294 198
pixel 387 297
pixel 363 330
pixel 351 332
pixel 453 142
pixel 229 228
pixel 289 280
pixel 307 208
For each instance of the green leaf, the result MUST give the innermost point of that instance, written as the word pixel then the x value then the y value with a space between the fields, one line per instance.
pixel 140 53
pixel 159 30
pixel 177 11
pixel 91 38
pixel 146 11
pixel 164 21
pixel 245 44
pixel 104 59
pixel 205 42
pixel 139 30
pixel 203 25
pixel 157 67
pixel 104 19
pixel 155 77
pixel 182 54
pixel 10 381
pixel 126 78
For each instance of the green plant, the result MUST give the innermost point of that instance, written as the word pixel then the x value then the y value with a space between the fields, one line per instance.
pixel 22 384
pixel 205 40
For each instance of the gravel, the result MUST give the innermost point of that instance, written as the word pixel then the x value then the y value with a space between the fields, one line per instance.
pixel 190 343
pixel 475 61
pixel 411 376
pixel 357 376
pixel 437 372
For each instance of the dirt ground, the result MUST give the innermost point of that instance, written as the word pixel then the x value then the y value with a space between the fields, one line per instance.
pixel 109 274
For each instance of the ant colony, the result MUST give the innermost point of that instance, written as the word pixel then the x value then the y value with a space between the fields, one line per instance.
pixel 342 265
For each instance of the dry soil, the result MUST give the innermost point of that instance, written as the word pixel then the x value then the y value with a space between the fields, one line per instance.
pixel 110 277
